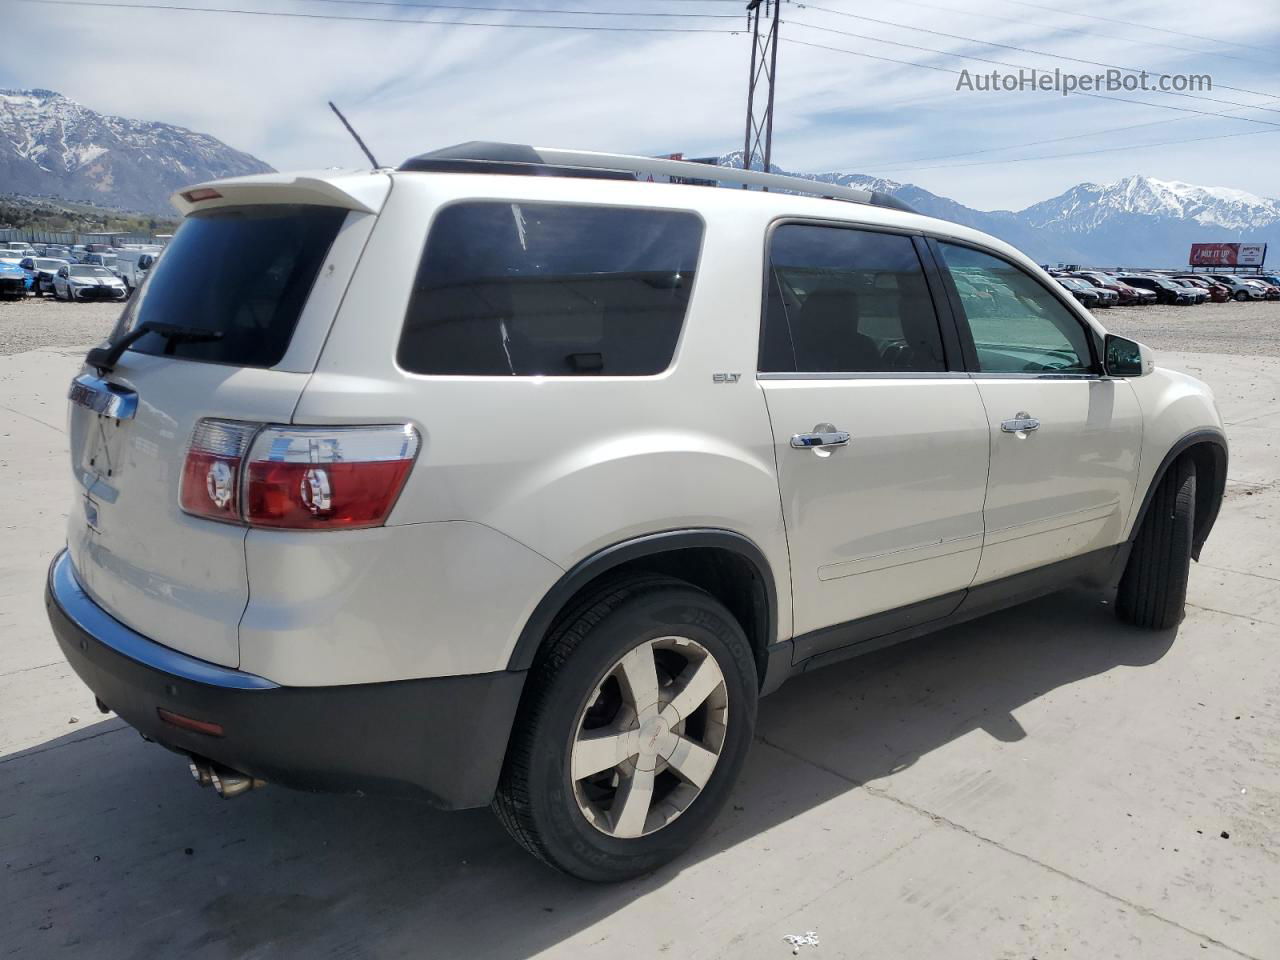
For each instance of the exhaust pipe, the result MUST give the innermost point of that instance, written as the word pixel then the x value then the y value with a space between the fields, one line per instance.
pixel 227 783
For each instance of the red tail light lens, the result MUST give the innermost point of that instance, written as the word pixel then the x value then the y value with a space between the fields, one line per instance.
pixel 296 478
pixel 210 484
pixel 325 478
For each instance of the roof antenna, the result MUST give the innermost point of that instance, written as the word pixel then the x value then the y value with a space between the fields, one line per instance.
pixel 355 136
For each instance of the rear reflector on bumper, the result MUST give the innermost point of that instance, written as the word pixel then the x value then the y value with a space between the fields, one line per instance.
pixel 189 723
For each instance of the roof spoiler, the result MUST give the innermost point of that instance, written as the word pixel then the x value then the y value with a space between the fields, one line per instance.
pixel 363 192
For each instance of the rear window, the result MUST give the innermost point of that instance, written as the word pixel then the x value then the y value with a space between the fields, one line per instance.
pixel 243 272
pixel 526 289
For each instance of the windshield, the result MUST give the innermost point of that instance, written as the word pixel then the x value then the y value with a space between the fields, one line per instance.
pixel 82 271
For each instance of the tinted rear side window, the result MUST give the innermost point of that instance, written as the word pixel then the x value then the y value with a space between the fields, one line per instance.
pixel 523 289
pixel 241 272
pixel 842 300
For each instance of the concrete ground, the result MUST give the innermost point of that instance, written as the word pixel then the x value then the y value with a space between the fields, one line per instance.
pixel 1040 783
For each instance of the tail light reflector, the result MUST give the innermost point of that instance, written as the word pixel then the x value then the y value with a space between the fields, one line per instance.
pixel 297 478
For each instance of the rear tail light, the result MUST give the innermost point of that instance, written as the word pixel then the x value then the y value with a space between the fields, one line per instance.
pixel 297 478
pixel 211 475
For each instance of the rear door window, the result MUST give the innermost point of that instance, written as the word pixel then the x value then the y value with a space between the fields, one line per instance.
pixel 529 289
pixel 242 273
pixel 842 300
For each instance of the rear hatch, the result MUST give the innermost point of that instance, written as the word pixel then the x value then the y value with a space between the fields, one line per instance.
pixel 256 286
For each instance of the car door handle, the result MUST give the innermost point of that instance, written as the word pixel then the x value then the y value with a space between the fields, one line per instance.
pixel 820 440
pixel 1022 423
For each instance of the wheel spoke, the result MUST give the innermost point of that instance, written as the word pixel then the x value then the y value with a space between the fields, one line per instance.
pixel 591 754
pixel 693 762
pixel 694 685
pixel 639 677
pixel 631 804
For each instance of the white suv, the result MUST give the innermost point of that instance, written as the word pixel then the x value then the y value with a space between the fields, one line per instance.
pixel 490 487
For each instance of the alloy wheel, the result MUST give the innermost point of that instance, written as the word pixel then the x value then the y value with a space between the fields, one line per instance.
pixel 649 737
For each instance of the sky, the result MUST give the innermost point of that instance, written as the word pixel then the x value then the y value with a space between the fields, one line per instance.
pixel 260 83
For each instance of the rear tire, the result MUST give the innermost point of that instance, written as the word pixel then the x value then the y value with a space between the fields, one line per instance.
pixel 658 773
pixel 1153 588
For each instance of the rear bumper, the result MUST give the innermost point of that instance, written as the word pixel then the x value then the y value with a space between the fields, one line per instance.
pixel 442 738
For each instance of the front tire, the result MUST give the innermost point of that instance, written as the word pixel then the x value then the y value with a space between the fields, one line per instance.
pixel 1153 588
pixel 638 714
pixel 1241 296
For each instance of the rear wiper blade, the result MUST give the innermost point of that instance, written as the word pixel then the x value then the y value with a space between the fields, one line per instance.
pixel 105 358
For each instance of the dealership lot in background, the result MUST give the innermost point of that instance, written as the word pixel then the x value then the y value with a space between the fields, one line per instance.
pixel 1041 782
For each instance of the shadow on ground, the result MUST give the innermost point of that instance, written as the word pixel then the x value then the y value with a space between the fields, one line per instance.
pixel 126 857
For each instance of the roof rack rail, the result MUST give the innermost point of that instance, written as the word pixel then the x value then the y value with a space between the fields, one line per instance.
pixel 510 158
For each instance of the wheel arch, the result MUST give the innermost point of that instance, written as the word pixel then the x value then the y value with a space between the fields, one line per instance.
pixel 728 565
pixel 1207 449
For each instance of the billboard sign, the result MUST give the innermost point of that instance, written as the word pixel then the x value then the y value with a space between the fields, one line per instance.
pixel 1228 254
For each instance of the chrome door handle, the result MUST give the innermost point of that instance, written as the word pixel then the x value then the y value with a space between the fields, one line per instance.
pixel 820 440
pixel 1022 423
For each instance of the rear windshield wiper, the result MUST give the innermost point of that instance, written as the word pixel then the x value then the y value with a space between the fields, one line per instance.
pixel 105 358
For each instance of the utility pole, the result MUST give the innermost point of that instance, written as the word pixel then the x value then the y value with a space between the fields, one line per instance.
pixel 764 68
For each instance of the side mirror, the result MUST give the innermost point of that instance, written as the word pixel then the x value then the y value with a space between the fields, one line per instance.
pixel 1127 358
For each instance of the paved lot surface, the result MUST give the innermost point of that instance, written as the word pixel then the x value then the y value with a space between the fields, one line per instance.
pixel 1040 783
pixel 45 322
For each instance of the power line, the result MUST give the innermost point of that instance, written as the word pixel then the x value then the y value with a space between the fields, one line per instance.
pixel 1088 153
pixel 1083 33
pixel 1008 46
pixel 1095 96
pixel 883 164
pixel 408 4
pixel 1140 26
pixel 117 4
pixel 1018 66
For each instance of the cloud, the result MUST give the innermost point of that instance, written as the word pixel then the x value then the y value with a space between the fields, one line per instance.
pixel 261 83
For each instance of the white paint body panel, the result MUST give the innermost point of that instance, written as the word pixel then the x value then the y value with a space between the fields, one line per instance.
pixel 895 516
pixel 520 478
pixel 1066 487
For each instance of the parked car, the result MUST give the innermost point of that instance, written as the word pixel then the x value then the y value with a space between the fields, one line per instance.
pixel 79 281
pixel 132 266
pixel 57 251
pixel 17 248
pixel 1272 292
pixel 13 279
pixel 78 252
pixel 1086 293
pixel 324 566
pixel 1166 290
pixel 1218 292
pixel 1240 288
pixel 42 270
pixel 1199 294
pixel 1125 294
pixel 99 259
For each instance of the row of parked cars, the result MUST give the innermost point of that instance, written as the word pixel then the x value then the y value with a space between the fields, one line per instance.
pixel 79 272
pixel 1099 288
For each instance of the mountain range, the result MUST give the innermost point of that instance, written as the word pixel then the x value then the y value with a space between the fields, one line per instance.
pixel 52 146
pixel 1136 221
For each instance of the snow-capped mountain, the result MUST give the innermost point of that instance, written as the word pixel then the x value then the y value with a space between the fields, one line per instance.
pixel 1136 221
pixel 52 145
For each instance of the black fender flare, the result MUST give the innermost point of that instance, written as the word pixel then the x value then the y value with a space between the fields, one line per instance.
pixel 1207 502
pixel 608 558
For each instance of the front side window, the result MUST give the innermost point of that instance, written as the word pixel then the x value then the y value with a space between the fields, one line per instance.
pixel 1017 325
pixel 847 301
pixel 543 289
